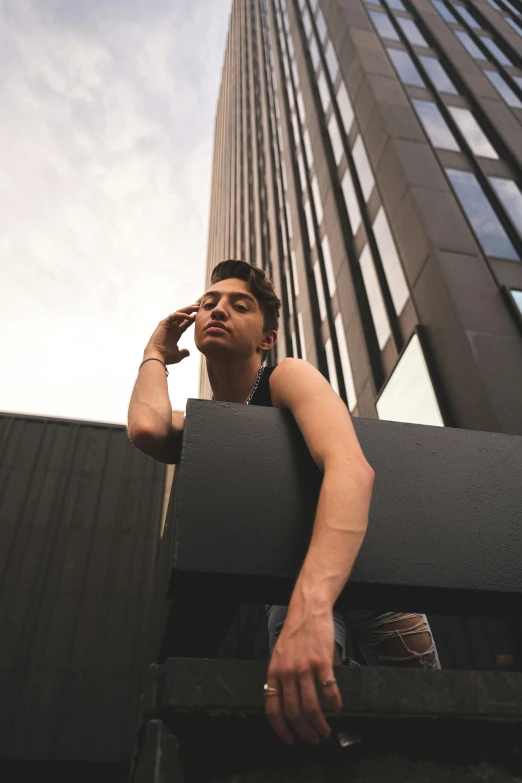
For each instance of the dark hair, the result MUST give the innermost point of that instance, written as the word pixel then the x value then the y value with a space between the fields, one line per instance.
pixel 260 286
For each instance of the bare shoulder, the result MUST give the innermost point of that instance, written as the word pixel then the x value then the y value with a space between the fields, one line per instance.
pixel 292 378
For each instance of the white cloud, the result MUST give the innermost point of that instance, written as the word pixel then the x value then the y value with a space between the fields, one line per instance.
pixel 106 140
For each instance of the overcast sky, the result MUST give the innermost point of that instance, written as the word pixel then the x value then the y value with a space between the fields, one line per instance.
pixel 106 145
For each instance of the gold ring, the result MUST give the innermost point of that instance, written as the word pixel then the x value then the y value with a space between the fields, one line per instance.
pixel 270 691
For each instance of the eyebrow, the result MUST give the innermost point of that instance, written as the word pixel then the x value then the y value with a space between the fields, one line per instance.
pixel 232 294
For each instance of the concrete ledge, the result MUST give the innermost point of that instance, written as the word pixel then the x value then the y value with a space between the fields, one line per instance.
pixel 396 725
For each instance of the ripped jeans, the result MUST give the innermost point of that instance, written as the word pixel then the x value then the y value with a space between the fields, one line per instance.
pixel 384 638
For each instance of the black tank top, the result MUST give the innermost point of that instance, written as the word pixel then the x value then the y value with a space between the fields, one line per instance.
pixel 262 393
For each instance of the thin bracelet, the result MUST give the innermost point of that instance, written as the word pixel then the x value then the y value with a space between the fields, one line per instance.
pixel 153 359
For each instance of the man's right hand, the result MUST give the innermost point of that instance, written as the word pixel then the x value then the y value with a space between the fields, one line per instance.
pixel 164 341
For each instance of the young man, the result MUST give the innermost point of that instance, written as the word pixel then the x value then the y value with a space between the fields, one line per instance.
pixel 235 326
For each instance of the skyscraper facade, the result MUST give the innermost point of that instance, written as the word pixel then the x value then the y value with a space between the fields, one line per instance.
pixel 368 155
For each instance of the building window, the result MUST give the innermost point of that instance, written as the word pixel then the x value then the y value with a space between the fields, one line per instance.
pixel 383 25
pixel 362 164
pixel 470 45
pixel 302 170
pixel 472 132
pixel 438 75
pixel 443 11
pixel 514 25
pixel 518 80
pixel 288 219
pixel 314 54
pixel 390 262
pixel 373 290
pixel 495 50
pixel 512 7
pixel 300 107
pixel 345 108
pixel 480 213
pixel 435 126
pixel 503 89
pixel 351 202
pixel 295 124
pixel 308 149
pixel 294 345
pixel 317 201
pixel 331 365
pixel 511 198
pixel 408 395
pixel 412 32
pixel 307 23
pixel 517 296
pixel 494 5
pixel 396 4
pixel 335 138
pixel 331 62
pixel 468 18
pixel 320 291
pixel 301 336
pixel 324 92
pixel 294 272
pixel 330 274
pixel 404 66
pixel 290 297
pixel 321 26
pixel 309 223
pixel 345 362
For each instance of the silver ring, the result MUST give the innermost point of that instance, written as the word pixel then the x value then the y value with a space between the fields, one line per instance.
pixel 328 682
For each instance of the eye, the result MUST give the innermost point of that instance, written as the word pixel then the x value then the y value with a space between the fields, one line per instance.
pixel 242 308
pixel 208 304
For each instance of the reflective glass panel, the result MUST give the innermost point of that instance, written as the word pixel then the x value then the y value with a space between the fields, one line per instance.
pixel 518 80
pixel 335 138
pixel 438 132
pixel 330 274
pixel 300 106
pixel 516 27
pixel 289 220
pixel 317 201
pixel 321 26
pixel 404 66
pixel 351 201
pixel 472 132
pixel 396 4
pixel 331 366
pixel 512 7
pixel 438 75
pixel 345 108
pixel 373 290
pixel 408 396
pixel 309 223
pixel 345 362
pixel 470 45
pixel 511 198
pixel 468 18
pixel 362 164
pixel 307 22
pixel 290 296
pixel 412 32
pixel 320 291
pixel 383 25
pixel 373 2
pixel 495 50
pixel 308 148
pixel 481 215
pixel 443 11
pixel 294 272
pixel 295 124
pixel 324 92
pixel 301 336
pixel 302 172
pixel 517 296
pixel 314 54
pixel 504 89
pixel 294 345
pixel 494 5
pixel 390 261
pixel 331 61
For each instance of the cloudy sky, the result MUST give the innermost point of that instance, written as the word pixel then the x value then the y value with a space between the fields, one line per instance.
pixel 106 146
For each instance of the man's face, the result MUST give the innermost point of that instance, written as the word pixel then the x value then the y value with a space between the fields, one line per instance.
pixel 231 304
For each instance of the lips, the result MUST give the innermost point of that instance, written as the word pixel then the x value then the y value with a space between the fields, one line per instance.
pixel 217 325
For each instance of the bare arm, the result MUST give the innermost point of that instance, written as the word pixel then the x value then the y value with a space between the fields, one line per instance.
pixel 152 426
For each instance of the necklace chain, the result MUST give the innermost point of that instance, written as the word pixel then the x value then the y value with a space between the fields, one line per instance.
pixel 254 387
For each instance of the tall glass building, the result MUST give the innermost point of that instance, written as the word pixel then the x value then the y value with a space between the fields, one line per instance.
pixel 368 155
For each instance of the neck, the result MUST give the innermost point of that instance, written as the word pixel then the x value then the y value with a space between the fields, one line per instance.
pixel 232 381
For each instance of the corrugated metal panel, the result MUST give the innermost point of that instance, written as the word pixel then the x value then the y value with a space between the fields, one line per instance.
pixel 80 511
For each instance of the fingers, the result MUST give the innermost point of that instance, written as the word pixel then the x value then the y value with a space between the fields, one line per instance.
pixel 274 713
pixel 331 691
pixel 187 314
pixel 311 707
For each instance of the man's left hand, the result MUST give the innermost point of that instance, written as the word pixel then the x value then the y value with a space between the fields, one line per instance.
pixel 302 658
